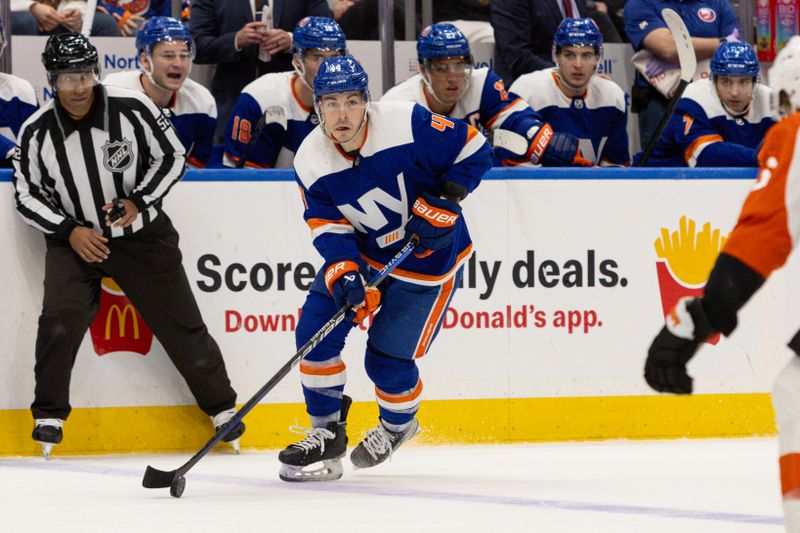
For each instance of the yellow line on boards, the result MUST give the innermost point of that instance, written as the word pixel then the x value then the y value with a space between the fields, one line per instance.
pixel 484 421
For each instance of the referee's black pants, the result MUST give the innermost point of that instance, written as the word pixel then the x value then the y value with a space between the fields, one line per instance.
pixel 147 267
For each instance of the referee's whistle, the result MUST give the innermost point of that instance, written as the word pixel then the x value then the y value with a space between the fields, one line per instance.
pixel 117 210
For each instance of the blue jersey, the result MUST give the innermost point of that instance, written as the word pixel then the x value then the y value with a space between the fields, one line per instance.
pixel 17 103
pixel 599 118
pixel 192 111
pixel 276 145
pixel 485 105
pixel 359 208
pixel 703 133
pixel 703 18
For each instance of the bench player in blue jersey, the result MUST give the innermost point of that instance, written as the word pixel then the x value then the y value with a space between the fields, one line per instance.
pixel 573 99
pixel 722 121
pixel 372 175
pixel 165 51
pixel 449 85
pixel 17 103
pixel 313 40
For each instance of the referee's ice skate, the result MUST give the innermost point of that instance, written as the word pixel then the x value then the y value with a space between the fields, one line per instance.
pixel 380 444
pixel 326 445
pixel 221 419
pixel 48 432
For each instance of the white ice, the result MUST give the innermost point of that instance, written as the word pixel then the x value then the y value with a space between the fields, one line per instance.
pixel 704 486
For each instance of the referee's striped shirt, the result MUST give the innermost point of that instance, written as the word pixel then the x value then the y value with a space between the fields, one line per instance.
pixel 66 170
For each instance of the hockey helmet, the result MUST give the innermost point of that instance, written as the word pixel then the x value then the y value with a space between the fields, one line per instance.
pixel 69 52
pixel 341 74
pixel 735 59
pixel 442 40
pixel 318 32
pixel 784 77
pixel 162 29
pixel 578 32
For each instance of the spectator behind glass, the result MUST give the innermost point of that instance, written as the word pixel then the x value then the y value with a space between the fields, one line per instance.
pixel 50 17
pixel 709 22
pixel 524 32
pixel 131 14
pixel 227 32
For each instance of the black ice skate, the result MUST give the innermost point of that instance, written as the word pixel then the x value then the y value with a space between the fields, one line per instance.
pixel 221 419
pixel 380 444
pixel 327 445
pixel 48 432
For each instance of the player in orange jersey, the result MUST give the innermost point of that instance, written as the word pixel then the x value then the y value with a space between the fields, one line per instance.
pixel 767 230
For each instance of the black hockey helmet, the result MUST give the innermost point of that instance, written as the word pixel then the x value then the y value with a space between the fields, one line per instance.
pixel 69 52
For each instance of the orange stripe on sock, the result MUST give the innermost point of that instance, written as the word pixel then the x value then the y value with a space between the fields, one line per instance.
pixel 327 370
pixel 399 398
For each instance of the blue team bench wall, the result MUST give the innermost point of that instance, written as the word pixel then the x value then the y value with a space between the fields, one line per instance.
pixel 497 174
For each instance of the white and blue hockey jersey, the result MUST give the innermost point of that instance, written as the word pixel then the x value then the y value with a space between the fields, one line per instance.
pixel 192 111
pixel 702 133
pixel 275 146
pixel 599 118
pixel 358 207
pixel 17 103
pixel 485 105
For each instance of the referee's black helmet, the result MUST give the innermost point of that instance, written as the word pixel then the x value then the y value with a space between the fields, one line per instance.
pixel 69 52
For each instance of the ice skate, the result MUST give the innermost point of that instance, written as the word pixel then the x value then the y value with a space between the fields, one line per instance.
pixel 326 445
pixel 221 419
pixel 380 444
pixel 48 432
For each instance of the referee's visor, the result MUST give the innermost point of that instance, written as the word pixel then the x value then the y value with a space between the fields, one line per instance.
pixel 72 79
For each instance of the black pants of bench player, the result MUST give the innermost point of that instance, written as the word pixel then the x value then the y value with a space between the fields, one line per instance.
pixel 147 267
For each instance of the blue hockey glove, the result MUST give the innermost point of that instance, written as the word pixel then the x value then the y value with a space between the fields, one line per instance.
pixel 434 222
pixel 346 285
pixel 686 329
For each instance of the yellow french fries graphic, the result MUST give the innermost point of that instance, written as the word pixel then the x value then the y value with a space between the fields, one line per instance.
pixel 690 255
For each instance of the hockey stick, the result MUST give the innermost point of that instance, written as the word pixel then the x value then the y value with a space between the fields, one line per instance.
pixel 688 62
pixel 274 114
pixel 86 27
pixel 174 479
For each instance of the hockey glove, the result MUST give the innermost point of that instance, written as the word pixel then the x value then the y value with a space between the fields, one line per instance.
pixel 555 149
pixel 434 222
pixel 687 327
pixel 346 285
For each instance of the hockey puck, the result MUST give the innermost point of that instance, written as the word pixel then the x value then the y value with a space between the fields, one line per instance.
pixel 177 486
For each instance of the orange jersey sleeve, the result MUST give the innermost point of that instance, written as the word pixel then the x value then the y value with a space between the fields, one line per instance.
pixel 768 224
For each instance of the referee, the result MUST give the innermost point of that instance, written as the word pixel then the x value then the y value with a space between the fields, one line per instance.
pixel 92 144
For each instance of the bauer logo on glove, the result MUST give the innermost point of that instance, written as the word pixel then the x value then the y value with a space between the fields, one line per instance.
pixel 433 221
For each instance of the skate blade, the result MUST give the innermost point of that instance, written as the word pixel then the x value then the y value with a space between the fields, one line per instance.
pixel 330 470
pixel 236 446
pixel 47 449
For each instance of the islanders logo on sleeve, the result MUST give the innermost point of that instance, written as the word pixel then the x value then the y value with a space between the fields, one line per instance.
pixel 117 326
pixel 706 14
pixel 685 260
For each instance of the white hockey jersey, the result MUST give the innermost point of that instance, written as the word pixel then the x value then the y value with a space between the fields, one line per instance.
pixel 702 132
pixel 598 118
pixel 276 145
pixel 192 111
pixel 17 103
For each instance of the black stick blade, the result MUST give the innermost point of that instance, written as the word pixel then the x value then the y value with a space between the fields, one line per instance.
pixel 158 479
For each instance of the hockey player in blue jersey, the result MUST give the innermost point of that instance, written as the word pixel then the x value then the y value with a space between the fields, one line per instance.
pixel 166 50
pixel 573 99
pixel 371 176
pixel 719 122
pixel 449 85
pixel 17 103
pixel 280 104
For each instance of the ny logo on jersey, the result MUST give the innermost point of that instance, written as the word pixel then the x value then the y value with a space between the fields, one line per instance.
pixel 371 216
pixel 587 149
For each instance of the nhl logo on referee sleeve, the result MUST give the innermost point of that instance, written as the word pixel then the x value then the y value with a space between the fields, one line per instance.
pixel 118 155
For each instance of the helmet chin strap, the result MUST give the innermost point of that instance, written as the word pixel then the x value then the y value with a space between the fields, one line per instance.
pixel 149 74
pixel 300 70
pixel 731 112
pixel 562 79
